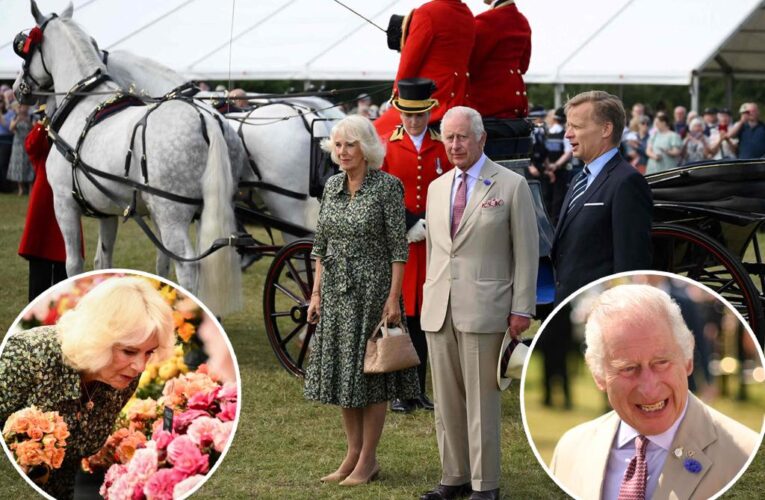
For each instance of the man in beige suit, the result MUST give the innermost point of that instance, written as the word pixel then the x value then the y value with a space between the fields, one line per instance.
pixel 482 257
pixel 660 441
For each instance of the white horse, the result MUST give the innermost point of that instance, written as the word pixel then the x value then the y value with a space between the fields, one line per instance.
pixel 276 135
pixel 180 162
pixel 126 70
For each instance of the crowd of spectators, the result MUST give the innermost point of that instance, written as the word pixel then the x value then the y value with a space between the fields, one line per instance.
pixel 15 123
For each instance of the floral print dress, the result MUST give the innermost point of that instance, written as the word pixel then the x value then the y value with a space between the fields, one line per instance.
pixel 33 372
pixel 357 240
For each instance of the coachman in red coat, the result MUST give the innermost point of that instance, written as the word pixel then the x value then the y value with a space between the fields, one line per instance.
pixel 500 57
pixel 414 153
pixel 436 44
pixel 41 242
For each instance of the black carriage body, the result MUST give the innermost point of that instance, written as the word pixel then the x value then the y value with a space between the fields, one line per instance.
pixel 706 222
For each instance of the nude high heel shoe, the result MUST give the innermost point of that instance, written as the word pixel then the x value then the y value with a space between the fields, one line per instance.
pixel 335 477
pixel 355 482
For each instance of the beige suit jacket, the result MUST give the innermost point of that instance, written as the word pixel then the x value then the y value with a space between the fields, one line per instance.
pixel 490 269
pixel 720 444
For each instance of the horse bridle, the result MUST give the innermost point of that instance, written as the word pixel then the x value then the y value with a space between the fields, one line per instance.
pixel 25 45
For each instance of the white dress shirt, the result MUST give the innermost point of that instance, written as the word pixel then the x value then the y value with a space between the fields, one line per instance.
pixel 417 139
pixel 623 449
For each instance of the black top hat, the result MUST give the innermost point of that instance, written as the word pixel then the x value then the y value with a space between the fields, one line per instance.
pixel 398 28
pixel 395 30
pixel 414 95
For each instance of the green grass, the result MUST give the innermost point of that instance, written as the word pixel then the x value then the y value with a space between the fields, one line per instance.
pixel 283 443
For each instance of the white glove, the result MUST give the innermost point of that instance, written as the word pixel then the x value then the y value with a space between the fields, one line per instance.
pixel 417 232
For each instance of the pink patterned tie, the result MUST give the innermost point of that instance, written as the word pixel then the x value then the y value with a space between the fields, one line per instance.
pixel 633 483
pixel 460 200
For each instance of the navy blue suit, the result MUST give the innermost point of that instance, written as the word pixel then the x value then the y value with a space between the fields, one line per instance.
pixel 607 231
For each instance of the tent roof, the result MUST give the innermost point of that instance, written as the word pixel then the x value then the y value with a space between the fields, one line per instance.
pixel 611 41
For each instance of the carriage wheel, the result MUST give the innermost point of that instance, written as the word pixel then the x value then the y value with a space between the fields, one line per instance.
pixel 689 252
pixel 285 305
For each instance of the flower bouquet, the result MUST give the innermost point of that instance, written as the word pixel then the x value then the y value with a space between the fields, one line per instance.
pixel 174 460
pixel 37 440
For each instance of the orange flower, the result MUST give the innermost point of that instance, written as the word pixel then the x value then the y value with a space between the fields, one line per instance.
pixel 28 453
pixel 57 458
pixel 186 331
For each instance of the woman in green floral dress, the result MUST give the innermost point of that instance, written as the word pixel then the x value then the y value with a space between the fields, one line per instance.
pixel 87 366
pixel 360 250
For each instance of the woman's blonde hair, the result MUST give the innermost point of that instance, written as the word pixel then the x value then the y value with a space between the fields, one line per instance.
pixel 356 128
pixel 125 311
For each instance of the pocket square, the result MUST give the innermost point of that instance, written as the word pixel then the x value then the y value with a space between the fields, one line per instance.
pixel 594 204
pixel 492 202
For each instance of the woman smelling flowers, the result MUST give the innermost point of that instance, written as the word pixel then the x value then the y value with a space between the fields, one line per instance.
pixel 87 366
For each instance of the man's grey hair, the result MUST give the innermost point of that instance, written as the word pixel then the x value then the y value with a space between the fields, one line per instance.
pixel 632 305
pixel 476 122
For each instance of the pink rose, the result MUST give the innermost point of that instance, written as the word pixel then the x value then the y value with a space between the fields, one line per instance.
pixel 181 422
pixel 114 473
pixel 221 435
pixel 187 485
pixel 201 431
pixel 161 484
pixel 121 489
pixel 143 464
pixel 227 411
pixel 162 438
pixel 202 400
pixel 227 392
pixel 187 457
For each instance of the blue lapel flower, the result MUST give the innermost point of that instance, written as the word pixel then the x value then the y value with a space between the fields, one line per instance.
pixel 692 465
pixel 487 182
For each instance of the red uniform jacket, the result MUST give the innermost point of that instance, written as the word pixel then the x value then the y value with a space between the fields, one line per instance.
pixel 41 238
pixel 437 46
pixel 500 58
pixel 416 171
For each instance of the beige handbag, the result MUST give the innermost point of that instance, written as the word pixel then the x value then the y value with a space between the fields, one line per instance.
pixel 389 350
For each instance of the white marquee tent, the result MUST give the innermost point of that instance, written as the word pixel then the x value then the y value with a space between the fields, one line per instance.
pixel 582 41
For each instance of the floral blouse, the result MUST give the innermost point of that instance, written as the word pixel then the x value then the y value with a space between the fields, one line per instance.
pixel 33 372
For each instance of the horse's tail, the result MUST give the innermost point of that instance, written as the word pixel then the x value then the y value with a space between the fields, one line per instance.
pixel 220 274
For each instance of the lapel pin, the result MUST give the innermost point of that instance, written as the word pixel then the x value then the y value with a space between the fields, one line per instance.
pixel 678 452
pixel 487 182
pixel 692 465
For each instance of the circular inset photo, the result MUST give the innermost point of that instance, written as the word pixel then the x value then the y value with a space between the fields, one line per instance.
pixel 644 385
pixel 119 384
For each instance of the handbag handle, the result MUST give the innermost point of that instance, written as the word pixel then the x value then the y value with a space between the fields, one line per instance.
pixel 381 326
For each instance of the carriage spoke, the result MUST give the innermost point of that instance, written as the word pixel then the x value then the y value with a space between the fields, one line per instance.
pixel 286 339
pixel 288 293
pixel 281 314
pixel 296 277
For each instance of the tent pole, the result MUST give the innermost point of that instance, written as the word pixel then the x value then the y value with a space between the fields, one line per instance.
pixel 694 90
pixel 729 90
pixel 559 88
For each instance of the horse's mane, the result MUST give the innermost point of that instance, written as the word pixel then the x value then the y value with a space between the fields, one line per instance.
pixel 87 55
